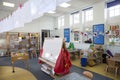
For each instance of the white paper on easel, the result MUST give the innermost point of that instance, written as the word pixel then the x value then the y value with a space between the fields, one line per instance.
pixel 52 48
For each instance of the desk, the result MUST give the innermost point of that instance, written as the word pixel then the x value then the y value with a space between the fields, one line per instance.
pixel 14 58
pixel 73 76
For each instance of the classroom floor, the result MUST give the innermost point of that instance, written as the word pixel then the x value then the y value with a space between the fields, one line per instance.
pixel 20 74
pixel 100 69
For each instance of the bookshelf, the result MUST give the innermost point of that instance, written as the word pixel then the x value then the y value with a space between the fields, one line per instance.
pixel 3 44
pixel 23 42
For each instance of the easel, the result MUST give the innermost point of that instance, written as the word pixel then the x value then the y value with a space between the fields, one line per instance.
pixel 48 53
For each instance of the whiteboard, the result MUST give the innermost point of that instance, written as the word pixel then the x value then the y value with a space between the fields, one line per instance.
pixel 52 48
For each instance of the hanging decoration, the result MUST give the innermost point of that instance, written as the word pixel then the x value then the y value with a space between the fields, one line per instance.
pixel 30 11
pixel 106 33
pixel 20 5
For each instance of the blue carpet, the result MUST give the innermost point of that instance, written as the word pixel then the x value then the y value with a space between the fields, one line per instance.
pixel 34 68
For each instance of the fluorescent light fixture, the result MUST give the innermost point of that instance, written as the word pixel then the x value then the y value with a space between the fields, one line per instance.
pixel 8 4
pixel 51 12
pixel 64 5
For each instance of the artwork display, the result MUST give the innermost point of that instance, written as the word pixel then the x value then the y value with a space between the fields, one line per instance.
pixel 67 34
pixel 99 30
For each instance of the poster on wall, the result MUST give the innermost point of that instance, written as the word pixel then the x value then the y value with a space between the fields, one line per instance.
pixel 98 30
pixel 67 34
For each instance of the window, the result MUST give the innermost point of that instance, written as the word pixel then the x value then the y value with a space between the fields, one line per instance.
pixel 114 11
pixel 87 15
pixel 74 18
pixel 60 21
pixel 113 8
pixel 76 36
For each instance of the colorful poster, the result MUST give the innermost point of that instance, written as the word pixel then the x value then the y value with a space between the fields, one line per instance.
pixel 67 34
pixel 98 30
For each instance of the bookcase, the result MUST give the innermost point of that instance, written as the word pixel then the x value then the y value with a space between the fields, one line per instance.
pixel 18 42
pixel 3 44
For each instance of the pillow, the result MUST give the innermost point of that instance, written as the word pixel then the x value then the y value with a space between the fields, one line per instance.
pixel 109 53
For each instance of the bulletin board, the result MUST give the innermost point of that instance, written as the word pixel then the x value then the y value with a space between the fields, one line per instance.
pixel 99 37
pixel 67 34
pixel 52 48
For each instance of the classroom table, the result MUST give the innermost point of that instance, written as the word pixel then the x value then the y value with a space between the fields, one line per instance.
pixel 73 76
pixel 117 60
pixel 23 57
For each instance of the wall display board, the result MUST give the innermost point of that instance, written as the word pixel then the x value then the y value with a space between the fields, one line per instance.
pixel 98 30
pixel 67 34
pixel 52 48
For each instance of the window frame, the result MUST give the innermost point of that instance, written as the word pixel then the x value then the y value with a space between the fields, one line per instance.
pixel 74 18
pixel 112 11
pixel 61 21
pixel 86 17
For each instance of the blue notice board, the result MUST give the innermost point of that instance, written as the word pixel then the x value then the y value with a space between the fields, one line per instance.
pixel 67 34
pixel 99 30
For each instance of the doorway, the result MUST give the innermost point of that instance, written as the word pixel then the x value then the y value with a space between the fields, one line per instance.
pixel 45 33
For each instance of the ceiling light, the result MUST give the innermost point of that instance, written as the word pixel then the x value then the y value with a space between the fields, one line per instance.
pixel 65 5
pixel 8 4
pixel 51 12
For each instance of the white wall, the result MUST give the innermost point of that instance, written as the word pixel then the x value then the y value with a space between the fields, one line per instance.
pixel 44 22
pixel 47 22
pixel 98 12
pixel 114 21
pixel 3 13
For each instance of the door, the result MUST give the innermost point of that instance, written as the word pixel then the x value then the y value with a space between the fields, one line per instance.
pixel 45 33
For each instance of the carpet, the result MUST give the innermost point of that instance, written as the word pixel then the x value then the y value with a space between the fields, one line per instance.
pixel 20 74
pixel 34 68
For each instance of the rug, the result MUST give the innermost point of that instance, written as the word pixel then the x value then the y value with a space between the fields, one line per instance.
pixel 34 68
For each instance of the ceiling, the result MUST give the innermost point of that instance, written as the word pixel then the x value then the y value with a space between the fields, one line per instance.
pixel 76 5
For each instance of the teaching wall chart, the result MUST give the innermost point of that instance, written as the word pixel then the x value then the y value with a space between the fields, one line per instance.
pixel 52 48
pixel 67 34
pixel 99 30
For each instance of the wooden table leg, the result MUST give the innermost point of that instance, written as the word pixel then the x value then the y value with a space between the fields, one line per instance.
pixel 27 64
pixel 13 67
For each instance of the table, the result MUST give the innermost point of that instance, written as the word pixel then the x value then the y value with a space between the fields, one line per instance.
pixel 117 60
pixel 73 76
pixel 14 58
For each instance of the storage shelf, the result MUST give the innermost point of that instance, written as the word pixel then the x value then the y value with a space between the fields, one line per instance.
pixel 47 62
